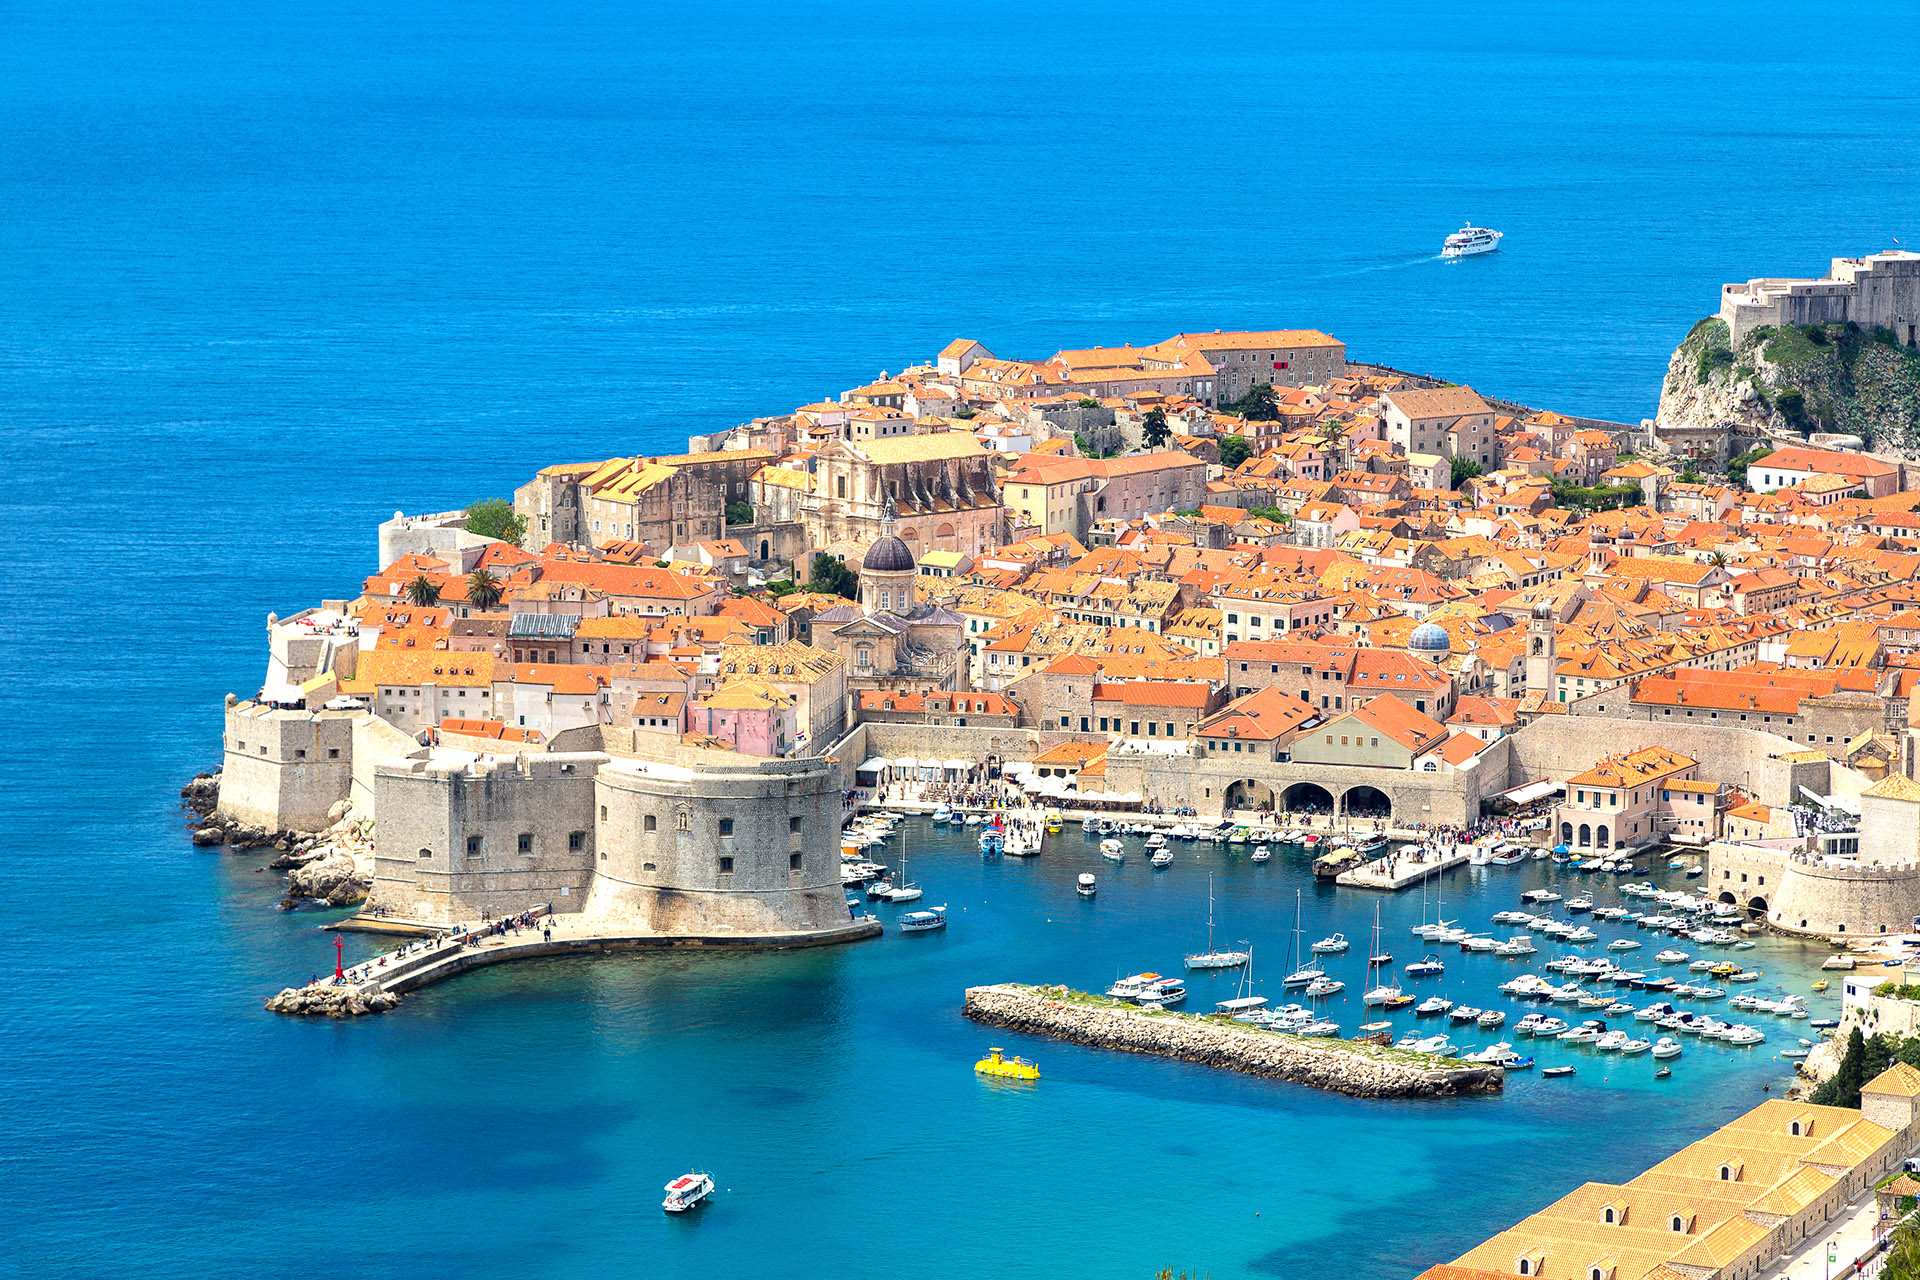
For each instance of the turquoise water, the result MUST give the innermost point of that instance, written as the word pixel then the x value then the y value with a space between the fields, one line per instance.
pixel 271 272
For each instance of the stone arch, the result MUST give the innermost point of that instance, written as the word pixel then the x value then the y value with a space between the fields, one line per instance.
pixel 1366 802
pixel 943 536
pixel 1306 797
pixel 1757 903
pixel 909 534
pixel 1566 834
pixel 1539 646
pixel 1249 795
pixel 1586 836
pixel 766 549
pixel 1726 896
pixel 1600 837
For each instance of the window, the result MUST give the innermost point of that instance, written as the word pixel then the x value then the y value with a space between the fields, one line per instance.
pixel 426 853
pixel 726 826
pixel 576 840
pixel 726 866
pixel 603 813
pixel 793 862
pixel 793 825
pixel 526 842
pixel 473 846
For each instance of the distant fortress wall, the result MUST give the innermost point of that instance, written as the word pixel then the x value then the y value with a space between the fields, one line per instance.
pixel 1878 291
pixel 1764 765
pixel 1801 896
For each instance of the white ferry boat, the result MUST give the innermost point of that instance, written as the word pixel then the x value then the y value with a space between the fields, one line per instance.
pixel 1470 240
pixel 686 1191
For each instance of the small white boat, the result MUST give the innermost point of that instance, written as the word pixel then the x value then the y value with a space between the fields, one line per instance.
pixel 1623 944
pixel 1426 967
pixel 1324 986
pixel 1087 885
pixel 1432 1005
pixel 1491 1019
pixel 1162 858
pixel 1331 946
pixel 686 1191
pixel 1666 1047
pixel 1156 841
pixel 1261 853
pixel 924 921
pixel 1111 850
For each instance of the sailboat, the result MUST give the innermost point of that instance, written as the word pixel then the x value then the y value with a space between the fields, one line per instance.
pixel 1211 959
pixel 1308 973
pixel 1440 924
pixel 1244 1004
pixel 906 890
pixel 1386 994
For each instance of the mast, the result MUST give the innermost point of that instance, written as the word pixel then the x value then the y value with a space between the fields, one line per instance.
pixel 1209 913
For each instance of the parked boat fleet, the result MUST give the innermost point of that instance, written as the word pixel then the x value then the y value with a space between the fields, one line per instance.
pixel 1595 985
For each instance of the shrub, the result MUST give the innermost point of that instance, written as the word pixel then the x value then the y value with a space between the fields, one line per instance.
pixel 1234 451
pixel 739 513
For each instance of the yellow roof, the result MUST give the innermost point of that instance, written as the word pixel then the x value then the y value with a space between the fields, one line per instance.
pixel 928 448
pixel 1724 1243
pixel 1795 1192
pixel 1900 1080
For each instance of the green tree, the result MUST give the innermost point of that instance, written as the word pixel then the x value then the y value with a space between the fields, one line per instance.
pixel 494 518
pixel 483 590
pixel 831 575
pixel 1260 404
pixel 1154 429
pixel 1464 469
pixel 1717 560
pixel 739 513
pixel 422 592
pixel 782 587
pixel 1087 402
pixel 1843 1088
pixel 1690 476
pixel 1903 1252
pixel 1234 451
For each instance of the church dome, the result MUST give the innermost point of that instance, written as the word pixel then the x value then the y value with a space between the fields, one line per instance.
pixel 887 555
pixel 1429 637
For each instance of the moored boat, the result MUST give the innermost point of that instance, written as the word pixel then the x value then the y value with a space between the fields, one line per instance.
pixel 686 1191
pixel 1087 886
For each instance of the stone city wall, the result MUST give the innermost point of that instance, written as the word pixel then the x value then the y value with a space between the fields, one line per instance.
pixel 458 838
pixel 1558 747
pixel 734 844
pixel 1846 902
pixel 284 770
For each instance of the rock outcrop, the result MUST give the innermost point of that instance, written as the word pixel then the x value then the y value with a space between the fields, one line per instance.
pixel 333 1000
pixel 1364 1071
pixel 1793 382
pixel 332 878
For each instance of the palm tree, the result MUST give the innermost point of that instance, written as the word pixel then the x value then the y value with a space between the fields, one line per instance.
pixel 483 590
pixel 422 591
pixel 1718 560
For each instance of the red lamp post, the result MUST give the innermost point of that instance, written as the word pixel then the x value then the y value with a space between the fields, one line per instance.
pixel 339 951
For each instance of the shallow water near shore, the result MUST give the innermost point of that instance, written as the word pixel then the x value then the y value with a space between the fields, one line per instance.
pixel 272 273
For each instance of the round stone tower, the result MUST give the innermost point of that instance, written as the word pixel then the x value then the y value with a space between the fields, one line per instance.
pixel 734 846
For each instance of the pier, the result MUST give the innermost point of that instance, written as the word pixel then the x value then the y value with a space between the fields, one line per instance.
pixel 1361 1070
pixel 1394 873
pixel 375 985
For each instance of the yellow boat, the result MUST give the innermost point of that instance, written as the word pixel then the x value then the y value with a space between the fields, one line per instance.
pixel 1054 824
pixel 1820 985
pixel 1012 1068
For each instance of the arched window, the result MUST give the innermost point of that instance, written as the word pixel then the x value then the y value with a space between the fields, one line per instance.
pixel 1600 837
pixel 1609 1214
pixel 1726 1173
pixel 1677 1224
pixel 1522 1266
pixel 1794 1128
pixel 1594 1273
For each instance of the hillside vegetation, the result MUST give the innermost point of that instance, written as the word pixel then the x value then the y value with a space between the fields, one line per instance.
pixel 1798 380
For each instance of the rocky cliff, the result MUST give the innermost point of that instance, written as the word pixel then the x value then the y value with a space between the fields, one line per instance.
pixel 1797 381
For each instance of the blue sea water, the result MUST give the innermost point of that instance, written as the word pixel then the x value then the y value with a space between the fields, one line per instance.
pixel 268 273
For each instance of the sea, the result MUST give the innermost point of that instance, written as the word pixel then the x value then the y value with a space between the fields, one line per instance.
pixel 269 273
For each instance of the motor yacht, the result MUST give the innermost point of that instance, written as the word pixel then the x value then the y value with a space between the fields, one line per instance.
pixel 1156 841
pixel 1331 946
pixel 1623 944
pixel 1426 967
pixel 1491 1019
pixel 1470 241
pixel 1432 1005
pixel 1087 886
pixel 1324 986
pixel 1464 1013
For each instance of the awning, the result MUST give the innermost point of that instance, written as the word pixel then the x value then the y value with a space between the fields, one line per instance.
pixel 1016 766
pixel 906 762
pixel 961 765
pixel 1532 791
pixel 873 765
pixel 1841 803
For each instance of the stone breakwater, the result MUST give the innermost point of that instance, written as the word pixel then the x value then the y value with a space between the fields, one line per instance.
pixel 331 1000
pixel 1363 1071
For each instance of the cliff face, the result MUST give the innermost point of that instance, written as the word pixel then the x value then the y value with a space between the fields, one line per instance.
pixel 1797 381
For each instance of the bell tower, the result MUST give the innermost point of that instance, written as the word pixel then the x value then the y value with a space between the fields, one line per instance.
pixel 1540 656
